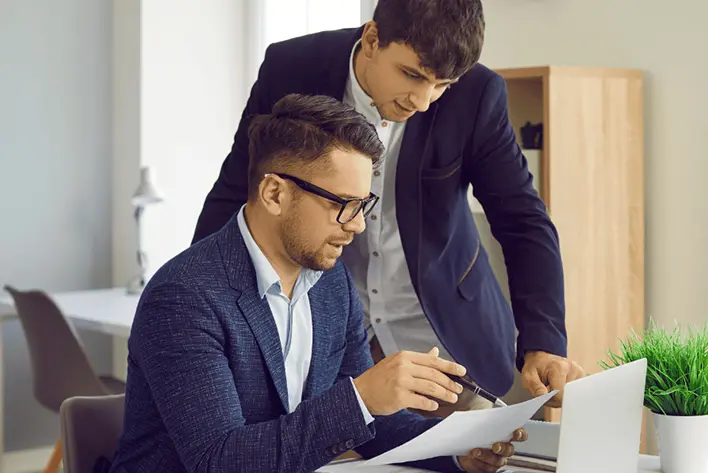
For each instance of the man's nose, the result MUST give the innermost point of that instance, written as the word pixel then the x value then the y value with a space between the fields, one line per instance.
pixel 356 225
pixel 421 98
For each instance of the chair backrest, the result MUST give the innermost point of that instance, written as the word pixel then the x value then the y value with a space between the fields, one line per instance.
pixel 60 367
pixel 90 428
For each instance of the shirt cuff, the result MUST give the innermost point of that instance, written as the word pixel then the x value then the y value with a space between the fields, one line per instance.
pixel 457 463
pixel 364 411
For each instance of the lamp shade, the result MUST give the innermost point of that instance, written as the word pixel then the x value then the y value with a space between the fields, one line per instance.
pixel 146 193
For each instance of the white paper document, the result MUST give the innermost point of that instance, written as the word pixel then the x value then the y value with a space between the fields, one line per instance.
pixel 462 431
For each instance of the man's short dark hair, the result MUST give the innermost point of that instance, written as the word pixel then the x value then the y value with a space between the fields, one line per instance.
pixel 301 131
pixel 447 35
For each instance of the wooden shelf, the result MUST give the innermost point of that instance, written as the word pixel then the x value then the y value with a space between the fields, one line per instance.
pixel 591 174
pixel 541 72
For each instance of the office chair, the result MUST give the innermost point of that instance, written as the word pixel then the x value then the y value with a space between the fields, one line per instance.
pixel 60 366
pixel 90 429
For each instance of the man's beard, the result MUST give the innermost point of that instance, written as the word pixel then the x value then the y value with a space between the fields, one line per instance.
pixel 297 250
pixel 306 259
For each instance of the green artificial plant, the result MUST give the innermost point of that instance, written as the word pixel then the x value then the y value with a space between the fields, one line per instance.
pixel 677 368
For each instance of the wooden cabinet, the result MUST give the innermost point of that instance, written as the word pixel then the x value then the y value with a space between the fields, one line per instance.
pixel 590 173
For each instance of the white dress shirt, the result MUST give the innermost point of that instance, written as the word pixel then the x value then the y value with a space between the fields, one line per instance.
pixel 375 258
pixel 293 318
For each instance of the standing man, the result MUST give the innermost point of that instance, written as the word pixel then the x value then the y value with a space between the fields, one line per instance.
pixel 420 270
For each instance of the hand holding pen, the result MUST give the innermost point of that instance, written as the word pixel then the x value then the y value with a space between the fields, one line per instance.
pixel 408 380
pixel 469 385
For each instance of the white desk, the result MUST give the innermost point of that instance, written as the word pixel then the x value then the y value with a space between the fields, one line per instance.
pixel 108 311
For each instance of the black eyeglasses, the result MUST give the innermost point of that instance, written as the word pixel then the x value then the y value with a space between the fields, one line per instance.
pixel 349 208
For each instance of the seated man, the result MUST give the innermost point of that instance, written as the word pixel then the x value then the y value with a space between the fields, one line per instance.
pixel 248 352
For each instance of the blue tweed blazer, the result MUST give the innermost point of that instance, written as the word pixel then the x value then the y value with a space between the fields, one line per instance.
pixel 206 388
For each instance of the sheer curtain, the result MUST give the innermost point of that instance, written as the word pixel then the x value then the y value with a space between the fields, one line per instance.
pixel 277 20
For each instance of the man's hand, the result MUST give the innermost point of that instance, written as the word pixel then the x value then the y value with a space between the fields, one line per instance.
pixel 402 381
pixel 544 372
pixel 482 460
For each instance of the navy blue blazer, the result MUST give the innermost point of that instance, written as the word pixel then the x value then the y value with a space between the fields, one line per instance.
pixel 206 388
pixel 463 138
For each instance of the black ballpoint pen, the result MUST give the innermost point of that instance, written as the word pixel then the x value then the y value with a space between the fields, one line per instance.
pixel 478 390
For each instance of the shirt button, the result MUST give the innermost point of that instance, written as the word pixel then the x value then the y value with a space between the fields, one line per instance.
pixel 375 253
pixel 378 321
pixel 374 291
pixel 377 173
pixel 373 217
pixel 384 124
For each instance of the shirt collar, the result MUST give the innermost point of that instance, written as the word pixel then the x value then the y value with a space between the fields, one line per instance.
pixel 266 276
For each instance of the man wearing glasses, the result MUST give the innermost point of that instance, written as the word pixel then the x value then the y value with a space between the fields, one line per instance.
pixel 421 272
pixel 248 352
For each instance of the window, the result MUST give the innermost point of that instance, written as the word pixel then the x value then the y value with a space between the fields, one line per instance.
pixel 289 18
pixel 277 20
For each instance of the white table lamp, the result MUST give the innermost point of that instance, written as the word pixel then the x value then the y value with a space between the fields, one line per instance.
pixel 146 194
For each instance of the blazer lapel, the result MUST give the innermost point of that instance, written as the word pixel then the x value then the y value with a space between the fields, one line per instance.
pixel 260 319
pixel 416 141
pixel 320 339
pixel 242 278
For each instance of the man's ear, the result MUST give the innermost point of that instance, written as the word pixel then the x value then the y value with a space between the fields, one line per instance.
pixel 272 193
pixel 370 39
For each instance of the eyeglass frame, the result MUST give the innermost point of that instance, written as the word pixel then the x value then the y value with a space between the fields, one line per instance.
pixel 325 194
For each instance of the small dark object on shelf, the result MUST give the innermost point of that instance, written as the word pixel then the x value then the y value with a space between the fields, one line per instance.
pixel 532 136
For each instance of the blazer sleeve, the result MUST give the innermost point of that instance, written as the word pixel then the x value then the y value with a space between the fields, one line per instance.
pixel 178 345
pixel 501 181
pixel 230 191
pixel 393 430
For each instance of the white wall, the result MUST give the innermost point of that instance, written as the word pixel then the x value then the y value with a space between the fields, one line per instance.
pixel 55 131
pixel 179 90
pixel 125 136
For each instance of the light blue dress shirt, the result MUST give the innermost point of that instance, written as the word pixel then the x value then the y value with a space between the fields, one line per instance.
pixel 293 318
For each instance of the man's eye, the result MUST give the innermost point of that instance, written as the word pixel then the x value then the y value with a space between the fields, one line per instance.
pixel 411 76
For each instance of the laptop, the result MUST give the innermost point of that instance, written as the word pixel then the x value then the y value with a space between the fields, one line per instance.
pixel 600 426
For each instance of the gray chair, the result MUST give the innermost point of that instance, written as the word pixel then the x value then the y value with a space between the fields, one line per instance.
pixel 90 429
pixel 60 366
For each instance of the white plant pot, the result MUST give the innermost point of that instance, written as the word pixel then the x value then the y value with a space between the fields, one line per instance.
pixel 682 443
